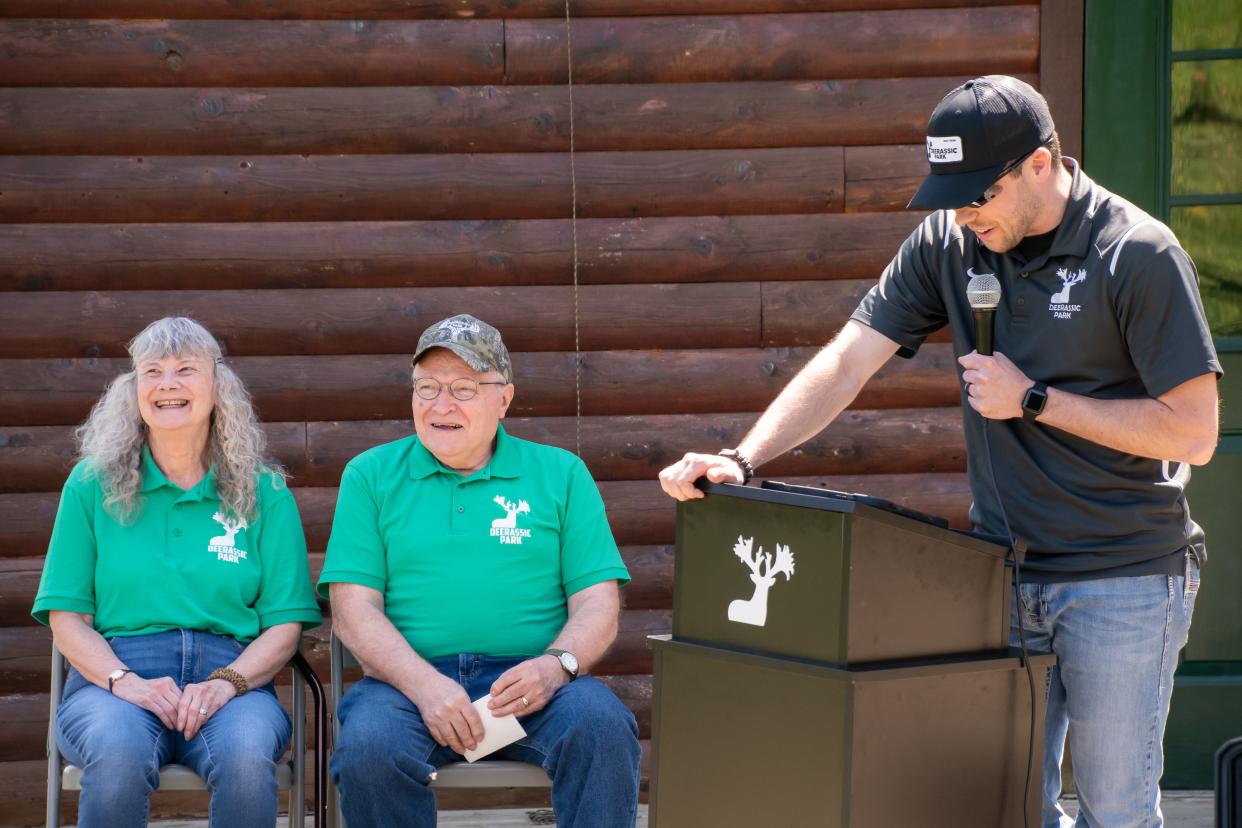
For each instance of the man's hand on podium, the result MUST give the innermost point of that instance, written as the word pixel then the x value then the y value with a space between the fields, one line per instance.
pixel 678 479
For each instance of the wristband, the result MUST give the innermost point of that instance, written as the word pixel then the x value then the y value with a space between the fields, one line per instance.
pixel 232 677
pixel 748 471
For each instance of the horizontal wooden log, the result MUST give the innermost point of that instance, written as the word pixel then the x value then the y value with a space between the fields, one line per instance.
pixel 705 49
pixel 377 387
pixel 25 652
pixel 883 178
pixel 639 513
pixel 699 48
pixel 432 187
pixel 363 120
pixel 38 458
pixel 340 320
pixel 43 52
pixel 432 9
pixel 108 257
pixel 809 313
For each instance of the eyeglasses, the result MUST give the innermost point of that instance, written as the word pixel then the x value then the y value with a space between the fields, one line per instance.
pixel 992 192
pixel 462 389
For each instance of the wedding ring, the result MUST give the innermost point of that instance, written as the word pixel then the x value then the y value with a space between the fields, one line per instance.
pixel 525 702
pixel 202 711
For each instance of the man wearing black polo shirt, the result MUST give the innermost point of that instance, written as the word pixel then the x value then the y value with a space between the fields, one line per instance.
pixel 1081 426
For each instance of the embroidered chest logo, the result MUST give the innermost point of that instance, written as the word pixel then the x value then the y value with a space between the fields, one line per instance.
pixel 223 545
pixel 506 528
pixel 1059 304
pixel 763 572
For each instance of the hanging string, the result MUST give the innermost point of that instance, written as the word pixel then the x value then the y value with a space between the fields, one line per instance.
pixel 573 224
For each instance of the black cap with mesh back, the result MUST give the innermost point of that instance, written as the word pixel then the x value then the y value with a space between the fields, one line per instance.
pixel 974 132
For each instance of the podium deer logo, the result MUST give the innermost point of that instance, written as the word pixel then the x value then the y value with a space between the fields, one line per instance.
pixel 1068 280
pixel 763 572
pixel 224 545
pixel 506 528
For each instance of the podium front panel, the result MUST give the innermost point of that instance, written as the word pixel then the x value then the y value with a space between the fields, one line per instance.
pixel 742 740
pixel 832 581
pixel 718 599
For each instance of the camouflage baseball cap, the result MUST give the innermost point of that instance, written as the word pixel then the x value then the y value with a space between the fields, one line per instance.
pixel 475 341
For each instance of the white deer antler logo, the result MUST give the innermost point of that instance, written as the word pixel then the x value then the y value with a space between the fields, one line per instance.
pixel 763 572
pixel 510 520
pixel 231 527
pixel 1068 280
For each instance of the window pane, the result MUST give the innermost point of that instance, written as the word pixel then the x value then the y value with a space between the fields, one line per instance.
pixel 1207 24
pixel 1207 127
pixel 1213 238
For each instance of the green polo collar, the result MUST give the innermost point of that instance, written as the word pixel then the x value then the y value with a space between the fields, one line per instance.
pixel 153 478
pixel 504 462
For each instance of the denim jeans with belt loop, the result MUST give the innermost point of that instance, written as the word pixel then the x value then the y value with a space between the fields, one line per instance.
pixel 121 746
pixel 1117 642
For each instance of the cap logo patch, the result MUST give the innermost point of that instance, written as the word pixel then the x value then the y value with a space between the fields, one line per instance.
pixel 944 149
pixel 456 327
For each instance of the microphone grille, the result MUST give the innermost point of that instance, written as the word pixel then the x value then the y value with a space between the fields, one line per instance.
pixel 983 291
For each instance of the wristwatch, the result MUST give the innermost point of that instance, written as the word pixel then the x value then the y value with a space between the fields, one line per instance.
pixel 1033 401
pixel 115 676
pixel 569 662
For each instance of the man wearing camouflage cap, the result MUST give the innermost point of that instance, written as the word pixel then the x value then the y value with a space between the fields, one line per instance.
pixel 464 562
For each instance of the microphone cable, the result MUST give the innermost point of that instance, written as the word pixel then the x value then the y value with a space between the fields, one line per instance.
pixel 1017 595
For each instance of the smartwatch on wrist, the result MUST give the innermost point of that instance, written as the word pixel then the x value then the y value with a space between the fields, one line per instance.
pixel 1033 401
pixel 569 662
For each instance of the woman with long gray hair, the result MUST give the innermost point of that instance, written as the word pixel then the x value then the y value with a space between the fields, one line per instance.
pixel 177 586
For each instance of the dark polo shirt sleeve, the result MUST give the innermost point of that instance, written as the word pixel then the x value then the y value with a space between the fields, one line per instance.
pixel 907 304
pixel 1155 291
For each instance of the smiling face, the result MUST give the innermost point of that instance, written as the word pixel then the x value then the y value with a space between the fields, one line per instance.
pixel 176 395
pixel 460 433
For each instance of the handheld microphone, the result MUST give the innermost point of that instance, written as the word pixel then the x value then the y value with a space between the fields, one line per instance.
pixel 983 291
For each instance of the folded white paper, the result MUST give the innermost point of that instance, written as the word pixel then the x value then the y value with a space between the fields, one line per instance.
pixel 497 732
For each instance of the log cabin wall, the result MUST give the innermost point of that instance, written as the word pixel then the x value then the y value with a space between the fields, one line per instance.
pixel 318 181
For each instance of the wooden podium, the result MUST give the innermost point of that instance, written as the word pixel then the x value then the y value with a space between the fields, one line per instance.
pixel 838 662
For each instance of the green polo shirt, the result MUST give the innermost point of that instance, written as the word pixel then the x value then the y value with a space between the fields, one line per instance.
pixel 478 564
pixel 179 564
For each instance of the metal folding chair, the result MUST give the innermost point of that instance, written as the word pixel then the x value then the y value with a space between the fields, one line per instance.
pixel 483 774
pixel 290 775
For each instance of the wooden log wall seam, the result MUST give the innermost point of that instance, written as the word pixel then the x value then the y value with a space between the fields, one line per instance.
pixel 343 321
pixel 646 50
pixel 446 9
pixel 428 187
pixel 608 117
pixel 37 458
pixel 377 387
pixel 202 256
pixel 638 510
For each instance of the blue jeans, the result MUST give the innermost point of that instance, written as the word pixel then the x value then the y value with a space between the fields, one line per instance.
pixel 585 739
pixel 121 746
pixel 1117 642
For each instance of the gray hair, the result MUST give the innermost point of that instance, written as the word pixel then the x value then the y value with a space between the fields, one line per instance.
pixel 112 438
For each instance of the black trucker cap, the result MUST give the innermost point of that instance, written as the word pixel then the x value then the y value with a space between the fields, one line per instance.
pixel 974 132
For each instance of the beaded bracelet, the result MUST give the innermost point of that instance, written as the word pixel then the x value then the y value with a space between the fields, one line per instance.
pixel 748 471
pixel 232 677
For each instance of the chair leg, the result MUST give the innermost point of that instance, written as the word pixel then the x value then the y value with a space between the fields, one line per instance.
pixel 53 750
pixel 297 793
